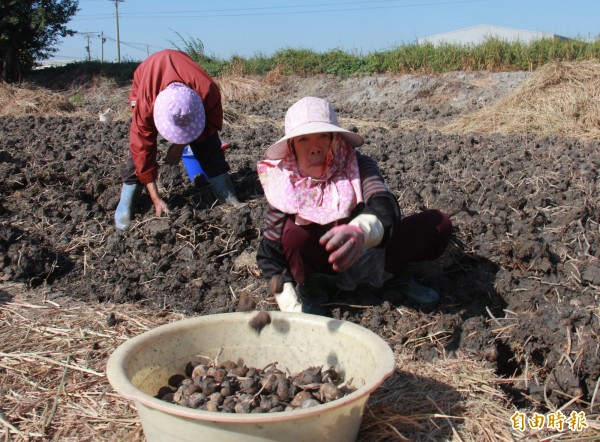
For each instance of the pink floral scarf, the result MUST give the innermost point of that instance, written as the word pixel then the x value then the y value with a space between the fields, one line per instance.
pixel 320 201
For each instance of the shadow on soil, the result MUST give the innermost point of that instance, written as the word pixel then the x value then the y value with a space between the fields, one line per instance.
pixel 406 392
pixel 460 320
pixel 5 298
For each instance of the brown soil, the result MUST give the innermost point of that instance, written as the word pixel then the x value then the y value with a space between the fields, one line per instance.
pixel 519 284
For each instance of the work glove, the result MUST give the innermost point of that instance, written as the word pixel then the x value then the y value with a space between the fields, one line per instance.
pixel 347 242
pixel 371 227
pixel 287 300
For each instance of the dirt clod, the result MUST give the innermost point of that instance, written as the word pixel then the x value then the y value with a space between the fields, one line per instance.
pixel 276 284
pixel 260 320
pixel 246 303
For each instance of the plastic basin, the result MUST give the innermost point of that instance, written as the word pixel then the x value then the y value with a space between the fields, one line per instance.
pixel 191 164
pixel 296 341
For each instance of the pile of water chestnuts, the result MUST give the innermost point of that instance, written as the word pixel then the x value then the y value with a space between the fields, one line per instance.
pixel 235 388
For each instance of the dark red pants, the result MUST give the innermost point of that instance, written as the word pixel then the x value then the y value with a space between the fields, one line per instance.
pixel 419 237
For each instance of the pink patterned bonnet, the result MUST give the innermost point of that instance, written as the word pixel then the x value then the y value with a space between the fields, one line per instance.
pixel 322 201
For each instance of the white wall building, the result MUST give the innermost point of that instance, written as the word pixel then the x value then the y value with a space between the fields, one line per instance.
pixel 479 34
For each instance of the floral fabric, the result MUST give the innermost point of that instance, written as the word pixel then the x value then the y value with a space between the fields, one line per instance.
pixel 320 201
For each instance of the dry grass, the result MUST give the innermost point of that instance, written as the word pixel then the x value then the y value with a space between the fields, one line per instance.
pixel 23 101
pixel 448 399
pixel 559 99
pixel 244 89
pixel 79 101
pixel 52 364
pixel 98 95
pixel 53 384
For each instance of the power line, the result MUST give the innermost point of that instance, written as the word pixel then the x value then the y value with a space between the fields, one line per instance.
pixel 267 11
pixel 242 12
pixel 88 35
pixel 203 11
pixel 134 44
pixel 142 47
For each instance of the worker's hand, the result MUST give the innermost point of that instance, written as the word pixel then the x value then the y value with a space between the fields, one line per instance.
pixel 174 153
pixel 160 207
pixel 345 244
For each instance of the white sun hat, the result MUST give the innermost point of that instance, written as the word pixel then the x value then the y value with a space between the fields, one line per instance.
pixel 310 115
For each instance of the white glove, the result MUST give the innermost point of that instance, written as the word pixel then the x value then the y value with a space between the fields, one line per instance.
pixel 287 300
pixel 371 227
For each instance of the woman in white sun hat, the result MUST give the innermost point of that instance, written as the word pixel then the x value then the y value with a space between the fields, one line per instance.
pixel 173 96
pixel 331 222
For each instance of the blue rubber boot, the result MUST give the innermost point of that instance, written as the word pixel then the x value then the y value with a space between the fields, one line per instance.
pixel 129 196
pixel 224 190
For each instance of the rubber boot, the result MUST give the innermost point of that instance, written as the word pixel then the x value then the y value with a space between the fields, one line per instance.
pixel 404 284
pixel 129 196
pixel 224 190
pixel 316 291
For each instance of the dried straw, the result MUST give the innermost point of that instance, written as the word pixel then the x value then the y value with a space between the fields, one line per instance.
pixel 53 385
pixel 558 99
pixel 52 362
pixel 21 101
pixel 100 94
pixel 241 88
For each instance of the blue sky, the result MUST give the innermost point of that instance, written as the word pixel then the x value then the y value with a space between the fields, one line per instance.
pixel 248 28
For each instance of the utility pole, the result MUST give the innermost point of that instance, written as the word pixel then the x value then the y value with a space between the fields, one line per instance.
pixel 118 39
pixel 88 49
pixel 102 41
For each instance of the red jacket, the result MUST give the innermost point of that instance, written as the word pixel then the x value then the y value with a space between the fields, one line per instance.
pixel 151 77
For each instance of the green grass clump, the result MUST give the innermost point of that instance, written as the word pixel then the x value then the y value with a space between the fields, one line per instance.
pixel 492 55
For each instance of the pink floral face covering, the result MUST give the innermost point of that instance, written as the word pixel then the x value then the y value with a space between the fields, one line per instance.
pixel 323 200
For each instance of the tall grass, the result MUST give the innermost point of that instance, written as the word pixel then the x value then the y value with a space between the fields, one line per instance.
pixel 492 55
pixel 195 49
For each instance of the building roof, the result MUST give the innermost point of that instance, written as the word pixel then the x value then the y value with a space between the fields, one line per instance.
pixel 479 34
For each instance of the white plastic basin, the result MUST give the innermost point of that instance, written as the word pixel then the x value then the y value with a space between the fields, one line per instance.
pixel 296 341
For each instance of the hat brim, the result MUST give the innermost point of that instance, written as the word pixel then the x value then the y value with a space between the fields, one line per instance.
pixel 280 148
